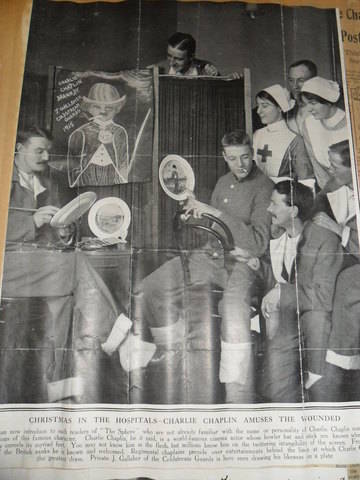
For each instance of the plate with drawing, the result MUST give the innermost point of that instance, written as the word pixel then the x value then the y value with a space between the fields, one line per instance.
pixel 110 218
pixel 176 177
pixel 73 210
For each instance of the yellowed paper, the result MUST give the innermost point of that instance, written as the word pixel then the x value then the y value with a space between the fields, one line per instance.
pixel 15 18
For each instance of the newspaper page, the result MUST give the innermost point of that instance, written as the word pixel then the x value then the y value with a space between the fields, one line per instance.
pixel 181 271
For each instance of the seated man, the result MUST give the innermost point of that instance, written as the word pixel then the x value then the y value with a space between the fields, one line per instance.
pixel 181 58
pixel 335 203
pixel 240 199
pixel 71 298
pixel 305 262
pixel 31 199
pixel 341 378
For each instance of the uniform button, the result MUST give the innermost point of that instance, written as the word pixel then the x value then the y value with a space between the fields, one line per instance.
pixel 232 185
pixel 226 200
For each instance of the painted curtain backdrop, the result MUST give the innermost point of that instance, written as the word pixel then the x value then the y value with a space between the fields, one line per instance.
pixel 102 126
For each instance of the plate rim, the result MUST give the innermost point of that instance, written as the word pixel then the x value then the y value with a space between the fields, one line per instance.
pixel 54 223
pixel 97 231
pixel 180 196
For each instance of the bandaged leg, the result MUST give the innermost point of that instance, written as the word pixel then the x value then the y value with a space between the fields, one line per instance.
pixel 236 365
pixel 117 335
pixel 134 353
pixel 170 334
pixel 235 362
pixel 312 378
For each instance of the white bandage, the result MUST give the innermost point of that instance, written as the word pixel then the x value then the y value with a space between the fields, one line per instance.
pixel 118 333
pixel 135 353
pixel 235 362
pixel 66 388
pixel 312 379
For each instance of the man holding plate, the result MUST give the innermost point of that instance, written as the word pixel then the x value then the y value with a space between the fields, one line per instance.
pixel 58 293
pixel 240 200
pixel 31 204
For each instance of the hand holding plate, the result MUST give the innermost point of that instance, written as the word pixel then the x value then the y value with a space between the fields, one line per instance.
pixel 197 208
pixel 43 215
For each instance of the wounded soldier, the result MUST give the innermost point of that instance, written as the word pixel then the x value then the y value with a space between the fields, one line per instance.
pixel 304 263
pixel 240 200
pixel 340 380
pixel 66 309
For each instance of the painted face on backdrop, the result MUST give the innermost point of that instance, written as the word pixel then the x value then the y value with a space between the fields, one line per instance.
pixel 33 155
pixel 102 111
pixel 239 159
pixel 320 111
pixel 296 78
pixel 268 111
pixel 281 213
pixel 179 60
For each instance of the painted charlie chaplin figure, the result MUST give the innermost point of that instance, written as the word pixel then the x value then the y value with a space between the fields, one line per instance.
pixel 98 151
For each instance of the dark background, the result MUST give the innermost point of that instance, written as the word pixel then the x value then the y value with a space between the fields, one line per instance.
pixel 134 33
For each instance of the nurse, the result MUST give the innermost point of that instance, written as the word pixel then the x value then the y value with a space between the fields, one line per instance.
pixel 279 152
pixel 325 126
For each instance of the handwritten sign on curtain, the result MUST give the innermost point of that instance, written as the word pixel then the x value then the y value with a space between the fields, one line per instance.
pixel 103 126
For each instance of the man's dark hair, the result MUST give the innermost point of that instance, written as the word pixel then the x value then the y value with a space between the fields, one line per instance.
pixel 311 96
pixel 236 137
pixel 343 149
pixel 183 41
pixel 24 135
pixel 297 195
pixel 308 64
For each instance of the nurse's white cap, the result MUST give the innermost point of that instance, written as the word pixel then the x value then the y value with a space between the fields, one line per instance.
pixel 326 89
pixel 282 96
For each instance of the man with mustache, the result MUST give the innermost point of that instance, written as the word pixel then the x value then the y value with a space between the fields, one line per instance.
pixel 31 202
pixel 300 291
pixel 46 285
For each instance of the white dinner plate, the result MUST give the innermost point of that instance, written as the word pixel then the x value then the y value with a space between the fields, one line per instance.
pixel 176 177
pixel 73 210
pixel 109 217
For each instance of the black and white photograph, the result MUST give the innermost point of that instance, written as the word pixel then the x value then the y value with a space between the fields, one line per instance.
pixel 182 224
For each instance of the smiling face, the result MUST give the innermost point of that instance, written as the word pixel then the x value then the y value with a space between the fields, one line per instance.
pixel 281 213
pixel 297 76
pixel 33 155
pixel 268 111
pixel 320 111
pixel 239 159
pixel 179 60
